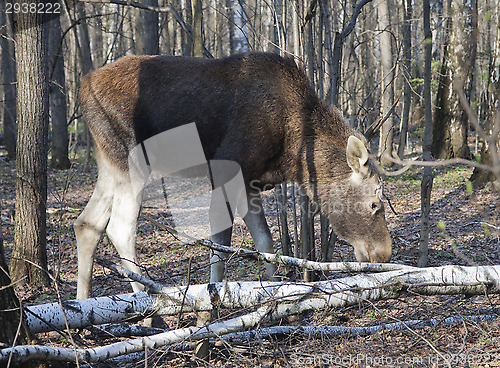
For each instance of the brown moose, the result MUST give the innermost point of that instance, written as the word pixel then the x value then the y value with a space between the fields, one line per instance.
pixel 258 110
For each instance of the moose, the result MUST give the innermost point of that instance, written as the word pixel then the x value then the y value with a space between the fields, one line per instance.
pixel 256 109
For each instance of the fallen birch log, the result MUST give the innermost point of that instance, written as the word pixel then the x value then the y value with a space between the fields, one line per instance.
pixel 336 331
pixel 123 330
pixel 99 354
pixel 82 313
pixel 28 352
pixel 290 298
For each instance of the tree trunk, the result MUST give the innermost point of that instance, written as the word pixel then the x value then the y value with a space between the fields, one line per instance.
pixel 151 33
pixel 287 297
pixel 387 132
pixel 57 92
pixel 218 30
pixel 29 257
pixel 9 82
pixel 197 28
pixel 306 233
pixel 306 218
pixel 97 39
pixel 450 122
pixel 426 185
pixel 481 177
pixel 282 199
pixel 368 69
pixel 231 30
pixel 187 44
pixel 166 44
pixel 127 34
pixel 407 34
pixel 85 67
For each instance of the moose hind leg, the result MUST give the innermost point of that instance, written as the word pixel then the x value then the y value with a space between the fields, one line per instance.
pixel 122 227
pixel 257 224
pixel 88 230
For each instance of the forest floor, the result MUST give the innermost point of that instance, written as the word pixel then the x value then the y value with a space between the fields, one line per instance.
pixel 470 224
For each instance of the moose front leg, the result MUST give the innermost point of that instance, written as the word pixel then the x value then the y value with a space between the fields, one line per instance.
pixel 218 259
pixel 259 230
pixel 257 224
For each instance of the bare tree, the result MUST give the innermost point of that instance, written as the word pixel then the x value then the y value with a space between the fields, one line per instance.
pixel 29 257
pixel 57 92
pixel 426 185
pixel 450 122
pixel 387 131
pixel 407 35
pixel 8 79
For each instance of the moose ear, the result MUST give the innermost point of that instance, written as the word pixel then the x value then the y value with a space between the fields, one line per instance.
pixel 357 155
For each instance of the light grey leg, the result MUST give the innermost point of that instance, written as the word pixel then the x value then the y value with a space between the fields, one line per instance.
pixel 122 231
pixel 88 230
pixel 122 226
pixel 218 259
pixel 217 271
pixel 257 224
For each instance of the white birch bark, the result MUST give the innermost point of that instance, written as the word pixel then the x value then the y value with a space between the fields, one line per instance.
pixel 289 298
pixel 99 354
pixel 87 312
pixel 322 332
pixel 448 276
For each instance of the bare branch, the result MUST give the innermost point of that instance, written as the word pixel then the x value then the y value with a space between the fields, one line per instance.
pixel 357 10
pixel 407 164
pixel 376 126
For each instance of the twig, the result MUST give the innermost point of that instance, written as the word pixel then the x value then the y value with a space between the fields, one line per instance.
pixel 123 272
pixel 185 291
pixel 407 164
pixel 370 132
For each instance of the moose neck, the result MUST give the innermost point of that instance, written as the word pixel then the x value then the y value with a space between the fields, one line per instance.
pixel 318 149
